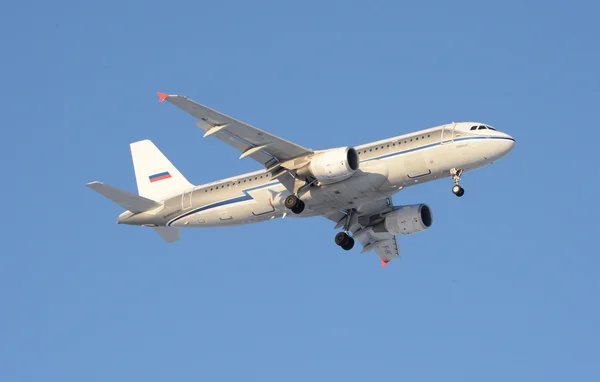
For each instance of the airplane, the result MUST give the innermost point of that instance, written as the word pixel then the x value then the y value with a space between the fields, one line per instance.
pixel 351 186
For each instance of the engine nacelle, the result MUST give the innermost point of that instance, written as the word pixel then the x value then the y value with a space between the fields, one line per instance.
pixel 406 220
pixel 332 166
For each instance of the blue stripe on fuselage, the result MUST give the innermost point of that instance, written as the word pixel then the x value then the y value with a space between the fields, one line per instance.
pixel 238 199
pixel 247 197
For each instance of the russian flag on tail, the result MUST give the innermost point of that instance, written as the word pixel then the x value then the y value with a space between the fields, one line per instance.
pixel 159 176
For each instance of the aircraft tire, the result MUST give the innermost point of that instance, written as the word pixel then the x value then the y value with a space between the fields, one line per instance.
pixel 342 238
pixel 299 207
pixel 348 246
pixel 458 191
pixel 291 201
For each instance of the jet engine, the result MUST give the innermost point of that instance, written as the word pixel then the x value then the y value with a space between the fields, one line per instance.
pixel 406 220
pixel 331 166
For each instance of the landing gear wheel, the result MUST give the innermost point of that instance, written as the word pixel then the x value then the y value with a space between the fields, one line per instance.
pixel 293 203
pixel 348 246
pixel 455 173
pixel 299 207
pixel 458 190
pixel 342 238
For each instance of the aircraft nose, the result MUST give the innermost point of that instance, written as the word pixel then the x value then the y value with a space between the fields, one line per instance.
pixel 504 145
pixel 510 143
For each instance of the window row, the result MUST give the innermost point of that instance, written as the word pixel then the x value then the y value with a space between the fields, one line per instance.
pixel 394 144
pixel 234 183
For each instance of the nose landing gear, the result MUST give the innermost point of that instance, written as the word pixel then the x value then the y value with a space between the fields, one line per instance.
pixel 457 190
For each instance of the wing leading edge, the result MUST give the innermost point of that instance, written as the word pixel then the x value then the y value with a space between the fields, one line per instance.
pixel 263 147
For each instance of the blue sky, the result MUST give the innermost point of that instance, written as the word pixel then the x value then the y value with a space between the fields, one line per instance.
pixel 502 287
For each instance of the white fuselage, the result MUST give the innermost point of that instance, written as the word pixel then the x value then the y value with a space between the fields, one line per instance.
pixel 386 167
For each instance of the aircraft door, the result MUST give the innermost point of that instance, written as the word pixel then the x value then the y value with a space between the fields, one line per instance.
pixel 186 199
pixel 448 133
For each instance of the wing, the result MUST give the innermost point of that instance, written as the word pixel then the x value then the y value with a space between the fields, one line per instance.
pixel 257 144
pixel 367 215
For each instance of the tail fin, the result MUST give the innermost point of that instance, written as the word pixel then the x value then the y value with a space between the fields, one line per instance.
pixel 156 177
pixel 127 200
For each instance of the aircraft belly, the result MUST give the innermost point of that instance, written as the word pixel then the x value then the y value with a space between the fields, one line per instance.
pixel 366 183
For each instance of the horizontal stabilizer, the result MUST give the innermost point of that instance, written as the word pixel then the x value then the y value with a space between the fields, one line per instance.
pixel 127 200
pixel 169 234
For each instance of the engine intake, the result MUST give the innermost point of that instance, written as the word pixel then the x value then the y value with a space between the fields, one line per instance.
pixel 332 166
pixel 406 220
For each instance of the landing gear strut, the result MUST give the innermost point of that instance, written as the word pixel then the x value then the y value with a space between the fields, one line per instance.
pixel 343 239
pixel 294 203
pixel 455 173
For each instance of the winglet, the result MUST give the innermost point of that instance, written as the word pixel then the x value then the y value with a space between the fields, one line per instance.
pixel 384 263
pixel 162 96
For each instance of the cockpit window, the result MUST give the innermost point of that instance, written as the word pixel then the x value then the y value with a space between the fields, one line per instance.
pixel 481 127
pixel 474 128
pixel 491 128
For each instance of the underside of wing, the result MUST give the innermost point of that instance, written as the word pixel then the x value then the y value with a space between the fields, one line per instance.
pixel 384 244
pixel 361 222
pixel 257 144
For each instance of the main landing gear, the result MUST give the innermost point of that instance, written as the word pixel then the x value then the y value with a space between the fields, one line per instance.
pixel 294 203
pixel 457 190
pixel 343 239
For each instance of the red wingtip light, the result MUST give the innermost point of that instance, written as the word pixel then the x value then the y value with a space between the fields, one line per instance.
pixel 384 263
pixel 162 96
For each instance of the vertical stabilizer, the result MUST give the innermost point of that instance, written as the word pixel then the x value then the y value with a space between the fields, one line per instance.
pixel 156 177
